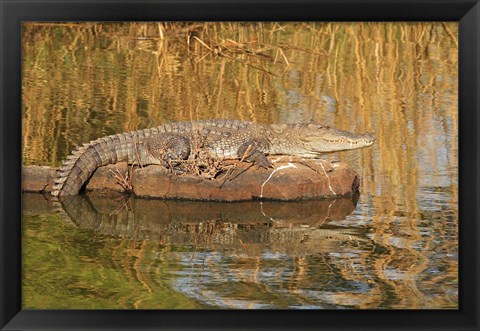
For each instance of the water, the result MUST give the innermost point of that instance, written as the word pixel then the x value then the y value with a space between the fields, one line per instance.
pixel 396 247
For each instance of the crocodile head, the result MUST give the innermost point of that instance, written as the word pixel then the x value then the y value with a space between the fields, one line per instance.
pixel 324 139
pixel 312 140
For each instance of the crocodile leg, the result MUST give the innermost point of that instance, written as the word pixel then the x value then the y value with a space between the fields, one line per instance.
pixel 251 151
pixel 169 148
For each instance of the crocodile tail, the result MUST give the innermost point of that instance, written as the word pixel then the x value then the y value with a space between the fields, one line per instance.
pixel 84 160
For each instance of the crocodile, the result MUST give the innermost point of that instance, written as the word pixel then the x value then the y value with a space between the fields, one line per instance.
pixel 169 144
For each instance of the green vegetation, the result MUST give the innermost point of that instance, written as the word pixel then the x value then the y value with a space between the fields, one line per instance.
pixel 65 267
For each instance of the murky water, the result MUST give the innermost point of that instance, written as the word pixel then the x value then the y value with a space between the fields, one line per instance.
pixel 396 247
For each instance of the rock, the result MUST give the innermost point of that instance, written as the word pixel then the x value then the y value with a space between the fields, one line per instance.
pixel 290 179
pixel 109 177
pixel 287 181
pixel 37 179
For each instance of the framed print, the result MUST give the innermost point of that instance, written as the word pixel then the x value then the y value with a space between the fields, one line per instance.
pixel 239 165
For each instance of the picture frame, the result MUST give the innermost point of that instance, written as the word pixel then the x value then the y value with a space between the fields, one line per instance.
pixel 467 13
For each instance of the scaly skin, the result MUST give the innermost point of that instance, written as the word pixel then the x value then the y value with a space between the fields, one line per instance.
pixel 223 139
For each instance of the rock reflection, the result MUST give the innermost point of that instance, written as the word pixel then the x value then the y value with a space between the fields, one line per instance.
pixel 301 225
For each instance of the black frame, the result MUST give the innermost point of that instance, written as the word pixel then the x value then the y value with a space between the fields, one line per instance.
pixel 13 12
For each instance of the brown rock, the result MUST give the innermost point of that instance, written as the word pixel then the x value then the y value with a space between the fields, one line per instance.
pixel 290 179
pixel 287 181
pixel 37 179
pixel 109 178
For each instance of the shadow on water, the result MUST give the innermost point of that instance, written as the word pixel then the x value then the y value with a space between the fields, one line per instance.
pixel 206 223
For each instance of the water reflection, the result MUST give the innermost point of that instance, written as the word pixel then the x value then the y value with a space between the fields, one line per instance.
pixel 306 254
pixel 271 224
pixel 235 255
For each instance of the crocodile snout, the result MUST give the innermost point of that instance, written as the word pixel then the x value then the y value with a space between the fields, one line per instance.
pixel 369 137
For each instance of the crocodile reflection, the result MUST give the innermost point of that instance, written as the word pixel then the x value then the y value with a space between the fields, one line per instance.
pixel 306 223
